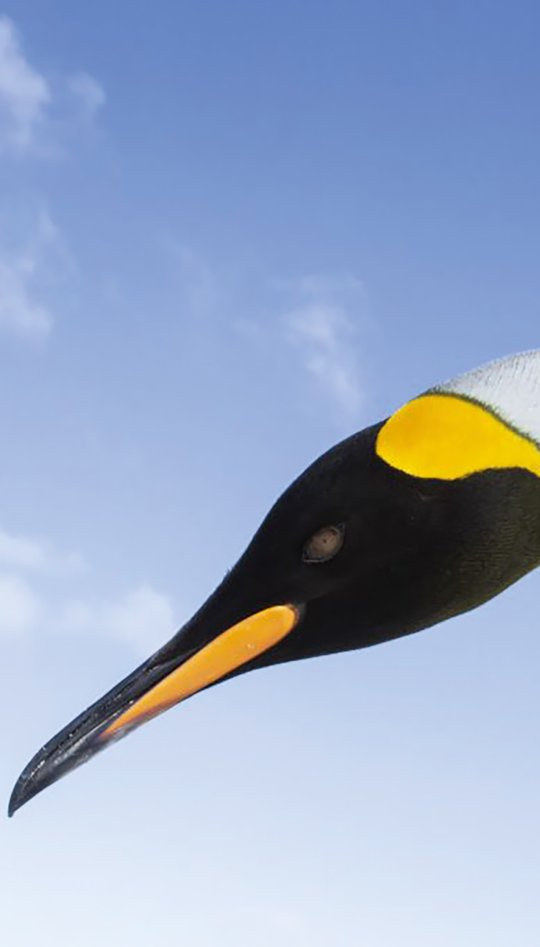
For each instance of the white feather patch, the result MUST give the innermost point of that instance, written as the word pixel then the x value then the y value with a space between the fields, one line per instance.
pixel 509 387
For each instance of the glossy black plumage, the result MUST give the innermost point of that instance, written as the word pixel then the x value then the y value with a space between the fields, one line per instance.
pixel 415 552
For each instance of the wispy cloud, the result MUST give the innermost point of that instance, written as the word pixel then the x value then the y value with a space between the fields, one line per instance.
pixel 30 554
pixel 322 321
pixel 25 273
pixel 141 618
pixel 322 317
pixel 24 93
pixel 87 92
pixel 38 118
pixel 34 111
pixel 19 606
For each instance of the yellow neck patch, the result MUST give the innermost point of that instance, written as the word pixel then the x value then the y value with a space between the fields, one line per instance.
pixel 447 437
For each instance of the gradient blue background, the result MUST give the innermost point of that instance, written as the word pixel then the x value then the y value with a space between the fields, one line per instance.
pixel 230 234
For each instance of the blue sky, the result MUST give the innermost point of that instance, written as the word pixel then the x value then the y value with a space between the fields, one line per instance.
pixel 231 234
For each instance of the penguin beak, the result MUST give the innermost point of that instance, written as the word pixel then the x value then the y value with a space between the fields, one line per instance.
pixel 175 672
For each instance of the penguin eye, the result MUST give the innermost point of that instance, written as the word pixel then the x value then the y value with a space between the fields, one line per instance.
pixel 324 544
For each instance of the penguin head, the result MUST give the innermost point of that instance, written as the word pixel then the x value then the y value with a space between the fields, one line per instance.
pixel 415 519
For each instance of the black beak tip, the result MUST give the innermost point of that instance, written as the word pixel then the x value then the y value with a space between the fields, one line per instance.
pixel 48 765
pixel 22 792
pixel 16 800
pixel 33 779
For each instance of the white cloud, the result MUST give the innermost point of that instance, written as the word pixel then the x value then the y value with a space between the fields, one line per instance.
pixel 322 322
pixel 20 312
pixel 25 273
pixel 37 118
pixel 19 606
pixel 24 93
pixel 87 92
pixel 27 554
pixel 20 551
pixel 141 618
pixel 320 316
pixel 35 113
pixel 325 333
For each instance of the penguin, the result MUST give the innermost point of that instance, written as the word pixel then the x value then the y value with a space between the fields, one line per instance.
pixel 416 519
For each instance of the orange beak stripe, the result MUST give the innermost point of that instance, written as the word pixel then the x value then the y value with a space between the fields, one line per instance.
pixel 239 644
